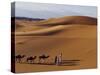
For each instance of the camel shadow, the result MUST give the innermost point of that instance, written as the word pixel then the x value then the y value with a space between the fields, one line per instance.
pixel 63 63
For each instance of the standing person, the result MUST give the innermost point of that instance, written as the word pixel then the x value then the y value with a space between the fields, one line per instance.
pixel 60 59
pixel 55 59
pixel 57 63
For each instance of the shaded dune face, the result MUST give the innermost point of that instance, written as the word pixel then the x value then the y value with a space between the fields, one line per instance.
pixel 69 20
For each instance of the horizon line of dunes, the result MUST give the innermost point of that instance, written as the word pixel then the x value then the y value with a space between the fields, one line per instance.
pixel 55 25
pixel 69 20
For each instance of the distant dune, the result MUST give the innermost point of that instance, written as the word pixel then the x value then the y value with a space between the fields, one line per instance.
pixel 68 20
pixel 27 18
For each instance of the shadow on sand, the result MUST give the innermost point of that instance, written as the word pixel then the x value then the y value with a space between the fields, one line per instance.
pixel 63 63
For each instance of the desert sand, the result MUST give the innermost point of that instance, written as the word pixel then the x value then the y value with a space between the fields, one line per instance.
pixel 73 36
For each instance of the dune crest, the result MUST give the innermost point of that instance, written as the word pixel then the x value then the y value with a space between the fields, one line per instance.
pixel 49 30
pixel 68 20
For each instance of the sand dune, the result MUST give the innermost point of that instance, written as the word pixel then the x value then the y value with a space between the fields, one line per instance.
pixel 46 31
pixel 63 31
pixel 68 20
pixel 77 30
pixel 59 24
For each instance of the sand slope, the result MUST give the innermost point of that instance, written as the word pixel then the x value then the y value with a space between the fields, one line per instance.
pixel 83 49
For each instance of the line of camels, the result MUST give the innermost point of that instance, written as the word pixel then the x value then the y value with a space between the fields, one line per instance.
pixel 42 58
pixel 31 59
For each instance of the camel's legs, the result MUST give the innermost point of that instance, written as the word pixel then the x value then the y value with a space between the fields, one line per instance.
pixel 19 60
pixel 43 61
pixel 39 61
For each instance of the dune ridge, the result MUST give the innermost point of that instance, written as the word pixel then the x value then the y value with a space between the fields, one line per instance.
pixel 68 20
pixel 43 31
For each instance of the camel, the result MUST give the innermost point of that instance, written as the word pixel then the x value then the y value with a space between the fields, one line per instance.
pixel 43 57
pixel 19 58
pixel 31 59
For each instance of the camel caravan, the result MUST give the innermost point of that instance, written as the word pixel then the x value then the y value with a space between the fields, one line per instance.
pixel 30 59
pixel 42 58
